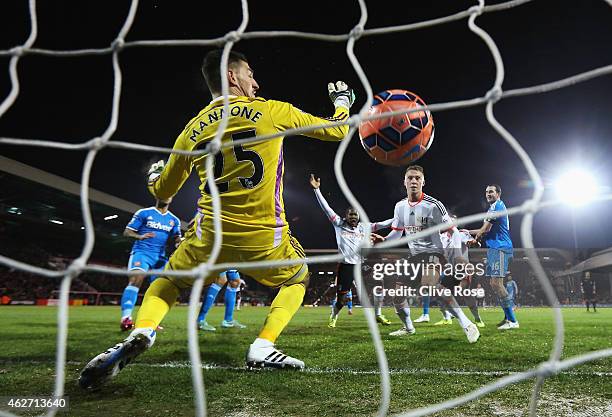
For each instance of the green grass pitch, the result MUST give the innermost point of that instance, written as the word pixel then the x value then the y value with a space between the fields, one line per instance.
pixel 341 378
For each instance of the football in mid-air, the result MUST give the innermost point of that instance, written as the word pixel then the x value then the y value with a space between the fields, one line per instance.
pixel 400 139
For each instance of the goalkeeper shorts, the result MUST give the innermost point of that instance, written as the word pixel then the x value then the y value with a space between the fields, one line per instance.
pixel 194 251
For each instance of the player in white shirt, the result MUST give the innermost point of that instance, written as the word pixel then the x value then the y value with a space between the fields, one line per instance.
pixel 456 244
pixel 413 214
pixel 349 234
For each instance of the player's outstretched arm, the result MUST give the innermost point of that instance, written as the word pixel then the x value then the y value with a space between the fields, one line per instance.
pixel 329 212
pixel 166 179
pixel 484 229
pixel 382 225
pixel 397 225
pixel 286 116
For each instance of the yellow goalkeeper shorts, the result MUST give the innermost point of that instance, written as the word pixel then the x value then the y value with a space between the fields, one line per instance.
pixel 194 251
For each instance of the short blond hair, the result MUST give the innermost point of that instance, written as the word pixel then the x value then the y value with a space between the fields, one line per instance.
pixel 415 168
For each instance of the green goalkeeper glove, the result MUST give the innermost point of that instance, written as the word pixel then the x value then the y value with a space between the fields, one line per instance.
pixel 341 95
pixel 155 171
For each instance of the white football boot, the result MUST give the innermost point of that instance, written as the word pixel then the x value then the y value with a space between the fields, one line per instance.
pixel 403 332
pixel 509 325
pixel 269 357
pixel 423 319
pixel 472 333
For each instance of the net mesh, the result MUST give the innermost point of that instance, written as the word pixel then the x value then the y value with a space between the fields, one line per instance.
pixel 529 207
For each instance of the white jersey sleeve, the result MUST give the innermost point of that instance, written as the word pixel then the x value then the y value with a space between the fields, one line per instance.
pixel 440 215
pixel 329 212
pixel 397 224
pixel 382 225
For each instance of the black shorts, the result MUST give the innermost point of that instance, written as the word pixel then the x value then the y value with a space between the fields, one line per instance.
pixel 345 277
pixel 430 259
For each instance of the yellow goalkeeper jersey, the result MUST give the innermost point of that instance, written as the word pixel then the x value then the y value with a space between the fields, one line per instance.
pixel 249 176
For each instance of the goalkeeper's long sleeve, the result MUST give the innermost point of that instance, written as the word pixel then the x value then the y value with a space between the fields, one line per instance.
pixel 174 175
pixel 286 116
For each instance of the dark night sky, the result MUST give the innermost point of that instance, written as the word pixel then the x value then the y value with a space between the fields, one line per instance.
pixel 69 99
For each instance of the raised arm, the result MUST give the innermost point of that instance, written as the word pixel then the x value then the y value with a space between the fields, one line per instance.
pixel 286 116
pixel 166 179
pixel 315 183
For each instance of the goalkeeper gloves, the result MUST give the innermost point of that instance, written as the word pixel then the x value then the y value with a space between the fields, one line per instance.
pixel 155 171
pixel 341 95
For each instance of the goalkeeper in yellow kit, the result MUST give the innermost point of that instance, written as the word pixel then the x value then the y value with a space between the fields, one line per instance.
pixel 250 182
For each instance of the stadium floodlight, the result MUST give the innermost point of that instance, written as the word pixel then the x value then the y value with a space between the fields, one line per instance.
pixel 576 187
pixel 114 216
pixel 56 221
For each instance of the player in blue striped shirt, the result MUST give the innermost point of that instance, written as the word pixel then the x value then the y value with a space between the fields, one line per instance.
pixel 151 227
pixel 496 234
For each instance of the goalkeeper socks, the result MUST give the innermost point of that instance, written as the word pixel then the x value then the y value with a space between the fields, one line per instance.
pixel 378 311
pixel 426 300
pixel 209 300
pixel 158 299
pixel 230 302
pixel 128 300
pixel 285 305
pixel 447 314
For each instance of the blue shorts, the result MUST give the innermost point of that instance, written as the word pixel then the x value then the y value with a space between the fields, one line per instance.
pixel 144 261
pixel 498 261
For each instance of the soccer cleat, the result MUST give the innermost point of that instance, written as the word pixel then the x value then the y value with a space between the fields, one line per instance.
pixel 403 332
pixel 110 362
pixel 443 322
pixel 480 324
pixel 383 320
pixel 501 323
pixel 350 312
pixel 423 319
pixel 234 323
pixel 203 325
pixel 270 357
pixel 126 324
pixel 472 333
pixel 332 322
pixel 509 325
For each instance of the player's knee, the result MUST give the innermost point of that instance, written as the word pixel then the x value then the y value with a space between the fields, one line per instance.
pixel 136 280
pixel 232 275
pixel 400 302
pixel 221 279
